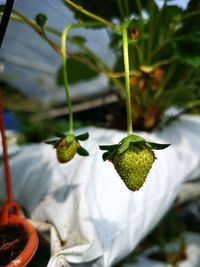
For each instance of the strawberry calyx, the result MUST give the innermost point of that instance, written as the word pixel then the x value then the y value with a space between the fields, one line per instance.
pixel 125 143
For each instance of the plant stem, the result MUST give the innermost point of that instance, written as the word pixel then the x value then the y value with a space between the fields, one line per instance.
pixel 91 15
pixel 120 8
pixel 64 68
pixel 164 82
pixel 194 13
pixel 141 49
pixel 127 9
pixel 160 47
pixel 33 22
pixel 139 6
pixel 150 30
pixel 127 80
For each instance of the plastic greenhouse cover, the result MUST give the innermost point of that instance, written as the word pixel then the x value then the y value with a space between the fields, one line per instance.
pixel 31 65
pixel 95 219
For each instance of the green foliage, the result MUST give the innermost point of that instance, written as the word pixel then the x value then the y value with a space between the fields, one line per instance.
pixel 169 230
pixel 2 8
pixel 77 39
pixel 165 52
pixel 77 72
pixel 38 131
pixel 187 49
pixel 108 9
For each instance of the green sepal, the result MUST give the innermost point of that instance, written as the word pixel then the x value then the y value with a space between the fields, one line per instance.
pixel 82 151
pixel 111 150
pixel 60 134
pixel 131 139
pixel 156 145
pixel 69 138
pixel 82 137
pixel 51 141
pixel 109 147
pixel 108 154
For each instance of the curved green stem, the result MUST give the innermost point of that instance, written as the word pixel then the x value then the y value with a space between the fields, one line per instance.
pixel 92 15
pixel 127 80
pixel 64 65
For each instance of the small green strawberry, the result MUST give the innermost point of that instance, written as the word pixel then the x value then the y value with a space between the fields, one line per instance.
pixel 133 165
pixel 65 150
pixel 68 145
pixel 132 158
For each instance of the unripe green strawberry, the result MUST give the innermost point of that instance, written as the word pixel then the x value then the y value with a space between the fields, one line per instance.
pixel 133 165
pixel 66 150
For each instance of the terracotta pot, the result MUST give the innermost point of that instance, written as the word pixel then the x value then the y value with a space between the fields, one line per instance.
pixel 32 243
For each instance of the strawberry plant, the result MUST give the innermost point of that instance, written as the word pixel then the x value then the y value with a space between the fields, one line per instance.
pixel 157 66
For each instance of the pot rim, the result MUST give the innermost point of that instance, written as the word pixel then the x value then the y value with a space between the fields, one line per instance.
pixel 32 243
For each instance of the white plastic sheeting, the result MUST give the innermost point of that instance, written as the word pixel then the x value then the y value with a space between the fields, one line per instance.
pixel 97 219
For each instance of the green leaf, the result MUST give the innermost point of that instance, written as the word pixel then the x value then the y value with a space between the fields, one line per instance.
pixel 77 39
pixel 178 96
pixel 124 146
pixel 109 147
pixel 2 8
pixel 188 50
pixel 77 72
pixel 82 137
pixel 41 19
pixel 156 145
pixel 60 134
pixel 82 151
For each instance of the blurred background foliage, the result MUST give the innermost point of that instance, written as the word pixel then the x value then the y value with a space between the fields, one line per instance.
pixel 165 53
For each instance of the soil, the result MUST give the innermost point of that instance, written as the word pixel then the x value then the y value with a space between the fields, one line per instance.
pixel 13 239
